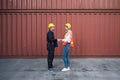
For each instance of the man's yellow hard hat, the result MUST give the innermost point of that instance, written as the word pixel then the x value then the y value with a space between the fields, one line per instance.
pixel 68 25
pixel 50 25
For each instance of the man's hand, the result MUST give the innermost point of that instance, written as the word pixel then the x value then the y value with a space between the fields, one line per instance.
pixel 59 39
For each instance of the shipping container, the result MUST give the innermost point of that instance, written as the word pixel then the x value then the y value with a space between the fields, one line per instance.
pixel 59 4
pixel 95 26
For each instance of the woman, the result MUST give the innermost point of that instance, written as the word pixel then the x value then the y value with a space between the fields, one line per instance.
pixel 67 42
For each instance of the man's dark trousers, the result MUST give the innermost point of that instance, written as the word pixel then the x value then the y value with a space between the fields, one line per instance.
pixel 50 55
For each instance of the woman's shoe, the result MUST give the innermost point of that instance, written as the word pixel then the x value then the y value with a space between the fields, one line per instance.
pixel 68 68
pixel 65 69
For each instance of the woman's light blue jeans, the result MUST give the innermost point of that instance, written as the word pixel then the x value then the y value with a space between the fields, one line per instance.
pixel 65 56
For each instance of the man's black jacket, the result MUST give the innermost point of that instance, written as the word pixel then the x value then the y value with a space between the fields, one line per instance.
pixel 51 41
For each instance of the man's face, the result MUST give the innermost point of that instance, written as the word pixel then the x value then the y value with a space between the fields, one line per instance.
pixel 52 29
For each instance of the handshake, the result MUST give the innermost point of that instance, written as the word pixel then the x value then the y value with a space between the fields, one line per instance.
pixel 59 39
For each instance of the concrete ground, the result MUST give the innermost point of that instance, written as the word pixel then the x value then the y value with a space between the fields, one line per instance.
pixel 81 69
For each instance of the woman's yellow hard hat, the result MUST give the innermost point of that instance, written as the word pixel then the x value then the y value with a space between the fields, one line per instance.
pixel 68 25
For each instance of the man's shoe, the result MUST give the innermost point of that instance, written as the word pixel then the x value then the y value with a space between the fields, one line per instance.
pixel 50 70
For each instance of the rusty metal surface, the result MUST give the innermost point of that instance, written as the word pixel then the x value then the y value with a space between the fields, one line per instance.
pixel 25 34
pixel 59 4
pixel 95 26
pixel 63 11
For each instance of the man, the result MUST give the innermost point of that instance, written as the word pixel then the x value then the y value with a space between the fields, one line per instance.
pixel 51 44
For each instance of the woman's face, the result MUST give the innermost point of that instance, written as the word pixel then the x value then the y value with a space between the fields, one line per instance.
pixel 66 28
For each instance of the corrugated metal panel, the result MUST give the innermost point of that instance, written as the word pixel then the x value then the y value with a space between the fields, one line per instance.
pixel 34 4
pixel 0 4
pixel 44 31
pixel 54 4
pixel 4 4
pixel 24 5
pixel 19 36
pixel 19 4
pixel 4 32
pixel 14 36
pixel 23 26
pixel 60 4
pixel 38 4
pixel 0 34
pixel 23 38
pixel 15 4
pixel 44 4
pixel 24 34
pixel 39 31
